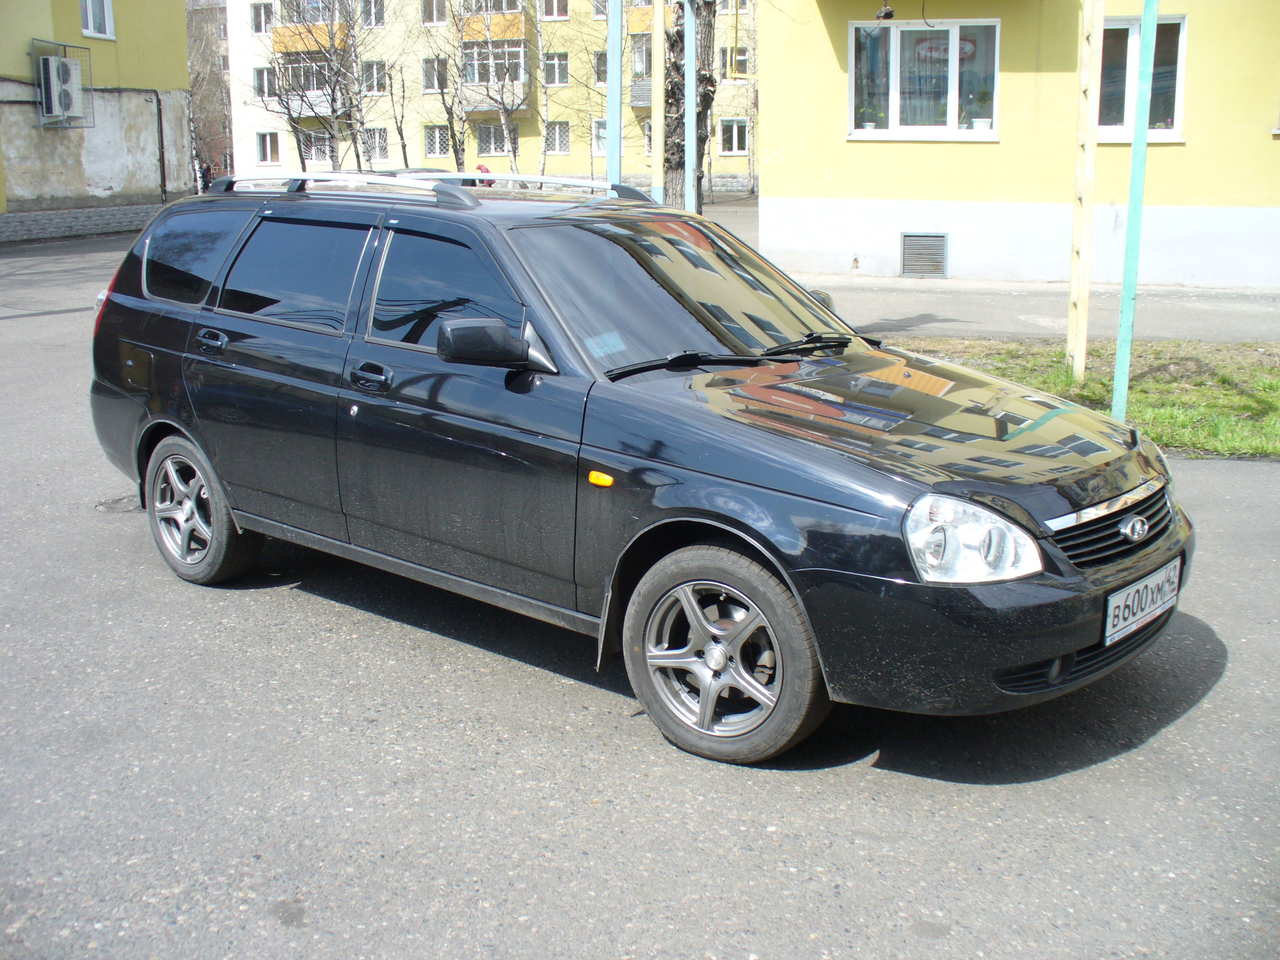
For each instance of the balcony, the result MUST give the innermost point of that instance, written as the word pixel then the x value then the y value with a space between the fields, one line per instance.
pixel 312 103
pixel 301 37
pixel 485 97
pixel 641 92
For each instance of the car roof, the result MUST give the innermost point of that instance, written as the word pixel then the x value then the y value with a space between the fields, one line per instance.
pixel 502 207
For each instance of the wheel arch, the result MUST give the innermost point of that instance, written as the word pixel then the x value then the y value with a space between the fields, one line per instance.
pixel 148 440
pixel 657 541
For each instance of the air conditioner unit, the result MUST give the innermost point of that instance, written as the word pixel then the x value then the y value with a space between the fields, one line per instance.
pixel 61 92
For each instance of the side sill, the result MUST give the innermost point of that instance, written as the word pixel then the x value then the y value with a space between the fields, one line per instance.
pixel 546 612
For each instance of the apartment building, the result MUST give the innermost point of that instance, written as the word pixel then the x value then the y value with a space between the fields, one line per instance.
pixel 504 84
pixel 948 144
pixel 94 121
pixel 208 65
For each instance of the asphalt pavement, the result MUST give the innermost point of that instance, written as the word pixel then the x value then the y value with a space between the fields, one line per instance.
pixel 895 306
pixel 327 761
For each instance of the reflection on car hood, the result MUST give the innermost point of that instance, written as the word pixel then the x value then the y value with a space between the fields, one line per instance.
pixel 905 416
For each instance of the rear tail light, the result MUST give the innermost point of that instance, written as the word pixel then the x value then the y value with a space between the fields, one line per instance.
pixel 103 297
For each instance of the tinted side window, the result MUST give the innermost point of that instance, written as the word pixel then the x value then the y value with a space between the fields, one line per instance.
pixel 185 252
pixel 294 271
pixel 427 277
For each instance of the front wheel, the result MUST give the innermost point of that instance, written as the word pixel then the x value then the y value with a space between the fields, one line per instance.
pixel 190 518
pixel 722 657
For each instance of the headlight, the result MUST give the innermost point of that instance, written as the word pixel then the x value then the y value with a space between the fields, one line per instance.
pixel 954 541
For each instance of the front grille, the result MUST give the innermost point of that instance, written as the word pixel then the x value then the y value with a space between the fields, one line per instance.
pixel 1100 541
pixel 1073 667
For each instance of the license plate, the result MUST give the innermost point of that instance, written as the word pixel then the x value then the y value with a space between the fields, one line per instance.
pixel 1140 603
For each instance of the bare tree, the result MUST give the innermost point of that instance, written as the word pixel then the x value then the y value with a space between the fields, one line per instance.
pixel 327 66
pixel 704 14
pixel 442 76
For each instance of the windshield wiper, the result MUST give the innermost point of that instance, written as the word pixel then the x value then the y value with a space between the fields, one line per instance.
pixel 689 358
pixel 813 340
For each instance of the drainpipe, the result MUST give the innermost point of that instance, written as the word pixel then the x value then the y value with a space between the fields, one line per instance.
pixel 164 183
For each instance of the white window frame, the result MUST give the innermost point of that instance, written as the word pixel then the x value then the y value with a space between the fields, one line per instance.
pixel 488 7
pixel 267 22
pixel 375 137
pixel 599 57
pixel 542 7
pixel 426 140
pixel 481 53
pixel 600 137
pixel 568 137
pixel 746 135
pixel 561 63
pixel 309 139
pixel 729 60
pixel 440 8
pixel 437 63
pixel 373 13
pixel 496 132
pixel 1124 132
pixel 264 154
pixel 724 7
pixel 641 55
pixel 599 9
pixel 646 134
pixel 373 82
pixel 951 131
pixel 86 20
pixel 269 86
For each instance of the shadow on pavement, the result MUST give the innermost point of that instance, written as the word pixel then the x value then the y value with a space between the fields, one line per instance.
pixel 1104 720
pixel 565 652
pixel 904 324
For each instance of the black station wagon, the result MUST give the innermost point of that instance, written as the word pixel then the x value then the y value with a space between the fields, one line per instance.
pixel 617 418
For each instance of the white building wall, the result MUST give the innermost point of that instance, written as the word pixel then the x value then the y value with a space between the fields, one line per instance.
pixel 1208 246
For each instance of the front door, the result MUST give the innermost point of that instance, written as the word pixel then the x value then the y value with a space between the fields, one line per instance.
pixel 463 469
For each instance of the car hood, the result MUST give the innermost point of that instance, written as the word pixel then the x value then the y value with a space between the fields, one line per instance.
pixel 871 429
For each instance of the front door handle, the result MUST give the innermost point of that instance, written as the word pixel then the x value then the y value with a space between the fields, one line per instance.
pixel 211 341
pixel 373 377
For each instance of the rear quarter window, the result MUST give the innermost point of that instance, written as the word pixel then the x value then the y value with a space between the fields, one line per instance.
pixel 296 272
pixel 184 253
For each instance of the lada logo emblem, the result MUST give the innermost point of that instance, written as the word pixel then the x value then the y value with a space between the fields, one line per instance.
pixel 1134 528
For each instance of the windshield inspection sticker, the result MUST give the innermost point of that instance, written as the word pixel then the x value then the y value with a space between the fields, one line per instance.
pixel 603 345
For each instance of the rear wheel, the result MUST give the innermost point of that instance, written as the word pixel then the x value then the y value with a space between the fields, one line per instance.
pixel 721 655
pixel 190 518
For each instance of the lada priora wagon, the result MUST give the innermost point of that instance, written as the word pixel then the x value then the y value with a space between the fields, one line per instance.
pixel 617 418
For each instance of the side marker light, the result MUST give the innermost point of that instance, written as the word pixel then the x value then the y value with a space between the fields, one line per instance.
pixel 599 478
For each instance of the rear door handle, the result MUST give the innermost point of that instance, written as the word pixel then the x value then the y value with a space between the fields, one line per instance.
pixel 211 341
pixel 373 377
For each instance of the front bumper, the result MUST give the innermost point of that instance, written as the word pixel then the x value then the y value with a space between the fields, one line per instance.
pixel 986 648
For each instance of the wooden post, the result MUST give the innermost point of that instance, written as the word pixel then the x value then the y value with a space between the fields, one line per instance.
pixel 1092 19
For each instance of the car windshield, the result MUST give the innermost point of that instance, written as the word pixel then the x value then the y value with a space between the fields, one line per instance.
pixel 632 290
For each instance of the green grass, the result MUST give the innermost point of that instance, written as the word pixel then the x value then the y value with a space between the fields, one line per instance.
pixel 1207 399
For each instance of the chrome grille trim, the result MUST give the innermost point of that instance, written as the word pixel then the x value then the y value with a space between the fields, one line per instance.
pixel 1114 505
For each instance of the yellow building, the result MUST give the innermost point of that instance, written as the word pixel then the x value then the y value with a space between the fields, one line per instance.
pixel 93 113
pixel 949 146
pixel 542 62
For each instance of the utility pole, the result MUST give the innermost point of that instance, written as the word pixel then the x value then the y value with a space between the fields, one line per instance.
pixel 690 108
pixel 1133 224
pixel 1092 21
pixel 613 109
pixel 658 99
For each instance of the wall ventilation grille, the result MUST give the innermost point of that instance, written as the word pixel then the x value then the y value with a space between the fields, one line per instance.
pixel 924 254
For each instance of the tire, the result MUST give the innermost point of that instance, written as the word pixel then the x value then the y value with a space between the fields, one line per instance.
pixel 190 519
pixel 707 618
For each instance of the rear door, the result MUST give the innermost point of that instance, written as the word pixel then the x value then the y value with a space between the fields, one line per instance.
pixel 263 367
pixel 464 469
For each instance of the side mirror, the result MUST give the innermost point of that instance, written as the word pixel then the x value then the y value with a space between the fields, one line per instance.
pixel 824 298
pixel 486 341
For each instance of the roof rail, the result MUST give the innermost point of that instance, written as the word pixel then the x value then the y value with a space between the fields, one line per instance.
pixel 447 194
pixel 620 190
